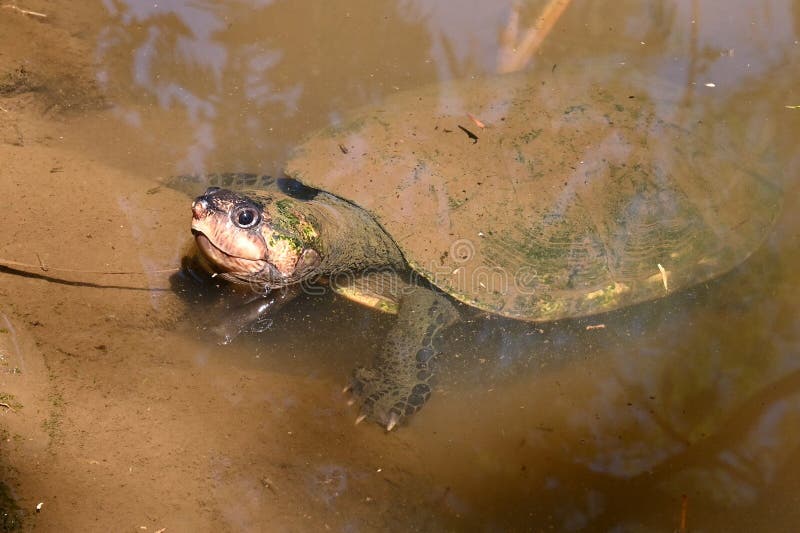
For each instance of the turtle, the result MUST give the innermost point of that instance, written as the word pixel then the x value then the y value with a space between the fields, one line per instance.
pixel 539 196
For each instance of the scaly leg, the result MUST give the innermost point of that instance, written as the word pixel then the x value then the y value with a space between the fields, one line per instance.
pixel 254 315
pixel 399 383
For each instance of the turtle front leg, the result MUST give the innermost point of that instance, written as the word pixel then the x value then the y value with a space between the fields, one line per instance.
pixel 254 315
pixel 399 383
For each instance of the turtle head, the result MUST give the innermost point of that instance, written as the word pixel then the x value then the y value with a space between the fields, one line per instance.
pixel 259 238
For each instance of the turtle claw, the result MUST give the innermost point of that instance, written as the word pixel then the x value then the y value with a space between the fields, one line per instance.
pixel 347 388
pixel 394 418
pixel 379 400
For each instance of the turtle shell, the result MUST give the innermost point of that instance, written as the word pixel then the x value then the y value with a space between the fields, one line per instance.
pixel 551 194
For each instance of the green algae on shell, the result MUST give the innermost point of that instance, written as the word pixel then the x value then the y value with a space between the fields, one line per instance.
pixel 583 184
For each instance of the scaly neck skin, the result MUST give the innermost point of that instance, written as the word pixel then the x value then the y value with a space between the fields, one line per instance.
pixel 349 238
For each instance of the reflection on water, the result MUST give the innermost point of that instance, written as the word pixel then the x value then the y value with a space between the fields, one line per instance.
pixel 248 79
pixel 600 423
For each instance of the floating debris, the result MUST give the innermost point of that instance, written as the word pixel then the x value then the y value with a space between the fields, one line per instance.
pixel 475 119
pixel 469 134
pixel 21 11
pixel 684 513
pixel 663 276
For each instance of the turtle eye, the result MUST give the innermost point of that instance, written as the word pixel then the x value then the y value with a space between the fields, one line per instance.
pixel 246 217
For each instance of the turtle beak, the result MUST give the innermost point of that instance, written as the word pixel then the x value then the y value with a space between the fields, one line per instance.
pixel 199 208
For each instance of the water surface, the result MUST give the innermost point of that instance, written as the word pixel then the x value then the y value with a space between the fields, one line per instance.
pixel 132 416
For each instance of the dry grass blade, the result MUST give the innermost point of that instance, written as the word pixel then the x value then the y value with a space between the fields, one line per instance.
pixel 663 272
pixel 27 12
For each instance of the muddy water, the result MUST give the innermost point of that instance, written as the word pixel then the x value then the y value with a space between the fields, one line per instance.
pixel 120 412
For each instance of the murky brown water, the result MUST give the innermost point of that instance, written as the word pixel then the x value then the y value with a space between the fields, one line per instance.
pixel 122 414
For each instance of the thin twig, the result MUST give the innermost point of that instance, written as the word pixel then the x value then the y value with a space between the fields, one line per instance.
pixel 47 268
pixel 25 11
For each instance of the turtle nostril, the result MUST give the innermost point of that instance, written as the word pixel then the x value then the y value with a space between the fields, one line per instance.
pixel 199 208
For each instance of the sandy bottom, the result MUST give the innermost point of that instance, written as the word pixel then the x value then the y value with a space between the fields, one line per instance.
pixel 111 419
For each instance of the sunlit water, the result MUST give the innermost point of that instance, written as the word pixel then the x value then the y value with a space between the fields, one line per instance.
pixel 618 422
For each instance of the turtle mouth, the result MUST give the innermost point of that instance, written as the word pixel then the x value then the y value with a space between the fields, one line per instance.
pixel 225 260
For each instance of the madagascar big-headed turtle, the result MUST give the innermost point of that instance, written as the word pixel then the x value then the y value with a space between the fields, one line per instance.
pixel 536 196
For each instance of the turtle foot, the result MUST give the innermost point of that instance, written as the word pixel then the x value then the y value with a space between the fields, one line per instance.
pixel 400 380
pixel 384 400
